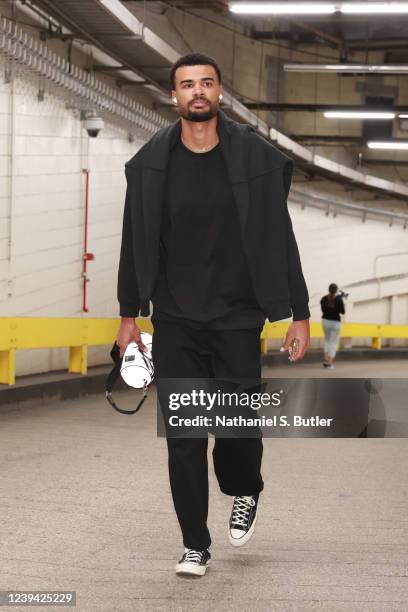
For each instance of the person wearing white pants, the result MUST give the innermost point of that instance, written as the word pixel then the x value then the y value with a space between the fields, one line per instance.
pixel 332 307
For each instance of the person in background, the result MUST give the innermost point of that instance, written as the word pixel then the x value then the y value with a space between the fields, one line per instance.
pixel 332 307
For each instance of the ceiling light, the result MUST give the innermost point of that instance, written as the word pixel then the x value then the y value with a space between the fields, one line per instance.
pixel 358 115
pixel 362 68
pixel 317 8
pixel 374 7
pixel 388 145
pixel 403 116
pixel 282 8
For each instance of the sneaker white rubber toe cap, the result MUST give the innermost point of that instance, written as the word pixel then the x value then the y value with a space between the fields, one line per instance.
pixel 238 537
pixel 191 569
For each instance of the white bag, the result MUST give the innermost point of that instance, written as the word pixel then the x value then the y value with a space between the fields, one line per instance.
pixel 136 369
pixel 137 366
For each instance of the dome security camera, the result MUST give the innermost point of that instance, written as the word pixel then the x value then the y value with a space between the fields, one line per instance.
pixel 91 122
pixel 93 126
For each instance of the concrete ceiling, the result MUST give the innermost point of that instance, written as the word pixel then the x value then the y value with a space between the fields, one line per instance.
pixel 113 27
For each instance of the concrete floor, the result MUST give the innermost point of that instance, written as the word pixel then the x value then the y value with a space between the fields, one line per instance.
pixel 378 368
pixel 85 505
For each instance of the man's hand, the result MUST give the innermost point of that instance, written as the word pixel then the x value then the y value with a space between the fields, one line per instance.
pixel 128 332
pixel 301 331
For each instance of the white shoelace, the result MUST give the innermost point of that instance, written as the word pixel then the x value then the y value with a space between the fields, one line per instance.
pixel 193 556
pixel 240 511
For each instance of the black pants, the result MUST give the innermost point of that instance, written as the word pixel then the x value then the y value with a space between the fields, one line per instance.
pixel 183 352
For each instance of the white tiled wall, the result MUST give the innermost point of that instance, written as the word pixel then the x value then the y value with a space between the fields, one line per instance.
pixel 344 250
pixel 43 277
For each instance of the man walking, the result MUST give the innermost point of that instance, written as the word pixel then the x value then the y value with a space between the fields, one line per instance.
pixel 207 238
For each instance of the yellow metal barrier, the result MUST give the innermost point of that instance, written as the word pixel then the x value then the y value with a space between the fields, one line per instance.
pixel 77 334
pixel 348 330
pixel 36 332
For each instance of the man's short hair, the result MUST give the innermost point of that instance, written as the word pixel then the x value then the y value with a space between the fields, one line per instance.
pixel 193 59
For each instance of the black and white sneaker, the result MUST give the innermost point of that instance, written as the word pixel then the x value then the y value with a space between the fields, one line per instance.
pixel 243 518
pixel 194 562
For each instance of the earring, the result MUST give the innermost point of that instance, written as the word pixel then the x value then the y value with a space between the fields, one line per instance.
pixel 175 100
pixel 220 98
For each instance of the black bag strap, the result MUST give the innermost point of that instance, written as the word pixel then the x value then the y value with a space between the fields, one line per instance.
pixel 113 377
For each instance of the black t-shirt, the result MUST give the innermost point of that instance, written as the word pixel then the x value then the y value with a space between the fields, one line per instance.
pixel 203 274
pixel 332 311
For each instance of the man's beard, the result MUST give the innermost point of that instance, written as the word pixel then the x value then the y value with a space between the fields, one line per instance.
pixel 203 115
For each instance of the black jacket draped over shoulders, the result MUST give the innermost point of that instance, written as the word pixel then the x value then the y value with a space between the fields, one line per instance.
pixel 260 176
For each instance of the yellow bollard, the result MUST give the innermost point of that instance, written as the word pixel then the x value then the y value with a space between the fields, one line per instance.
pixel 8 367
pixel 78 359
pixel 376 343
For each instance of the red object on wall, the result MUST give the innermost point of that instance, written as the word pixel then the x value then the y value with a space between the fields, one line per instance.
pixel 86 256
